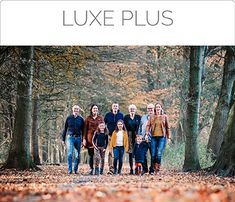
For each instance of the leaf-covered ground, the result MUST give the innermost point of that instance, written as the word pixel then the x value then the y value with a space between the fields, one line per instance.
pixel 54 184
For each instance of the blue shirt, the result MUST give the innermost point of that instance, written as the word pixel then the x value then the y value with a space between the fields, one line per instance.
pixel 142 126
pixel 73 126
pixel 111 121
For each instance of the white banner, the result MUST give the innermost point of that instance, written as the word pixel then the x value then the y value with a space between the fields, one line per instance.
pixel 117 22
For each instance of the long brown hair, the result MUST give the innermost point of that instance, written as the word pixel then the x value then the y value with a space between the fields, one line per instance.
pixel 162 111
pixel 92 107
pixel 124 127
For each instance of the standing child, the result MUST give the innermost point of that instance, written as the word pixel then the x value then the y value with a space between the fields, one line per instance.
pixel 119 142
pixel 139 152
pixel 100 142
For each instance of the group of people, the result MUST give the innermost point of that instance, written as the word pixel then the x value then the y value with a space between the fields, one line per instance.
pixel 118 134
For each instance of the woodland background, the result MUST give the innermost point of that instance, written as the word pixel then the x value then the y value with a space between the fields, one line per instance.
pixel 39 85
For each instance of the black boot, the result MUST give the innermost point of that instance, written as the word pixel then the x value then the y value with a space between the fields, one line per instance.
pixel 131 171
pixel 96 171
pixel 91 172
pixel 101 171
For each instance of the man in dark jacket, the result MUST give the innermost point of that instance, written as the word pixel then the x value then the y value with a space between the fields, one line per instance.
pixel 73 129
pixel 111 119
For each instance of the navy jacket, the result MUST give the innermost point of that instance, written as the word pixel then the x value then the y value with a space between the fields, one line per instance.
pixel 100 140
pixel 132 125
pixel 73 126
pixel 111 121
pixel 139 151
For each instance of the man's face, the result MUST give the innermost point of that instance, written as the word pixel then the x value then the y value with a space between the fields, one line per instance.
pixel 150 110
pixel 75 111
pixel 115 108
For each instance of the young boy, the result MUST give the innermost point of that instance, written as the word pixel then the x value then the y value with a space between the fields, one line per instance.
pixel 139 152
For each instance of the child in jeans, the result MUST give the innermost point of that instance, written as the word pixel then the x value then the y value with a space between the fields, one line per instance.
pixel 139 152
pixel 100 142
pixel 119 143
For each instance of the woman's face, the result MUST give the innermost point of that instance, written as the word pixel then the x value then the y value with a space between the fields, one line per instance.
pixel 94 110
pixel 158 108
pixel 132 110
pixel 120 125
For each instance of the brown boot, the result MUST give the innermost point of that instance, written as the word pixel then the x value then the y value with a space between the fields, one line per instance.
pixel 156 167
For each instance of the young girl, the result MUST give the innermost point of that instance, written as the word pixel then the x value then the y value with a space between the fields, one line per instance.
pixel 100 143
pixel 119 142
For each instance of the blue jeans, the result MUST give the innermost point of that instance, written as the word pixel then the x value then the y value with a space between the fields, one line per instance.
pixel 73 144
pixel 157 147
pixel 118 156
pixel 145 164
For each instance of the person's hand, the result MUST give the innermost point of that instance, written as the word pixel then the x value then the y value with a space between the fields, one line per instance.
pixel 63 143
pixel 104 150
pixel 84 143
pixel 169 140
pixel 112 154
pixel 146 138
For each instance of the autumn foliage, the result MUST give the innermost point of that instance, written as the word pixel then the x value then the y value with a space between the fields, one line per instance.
pixel 54 184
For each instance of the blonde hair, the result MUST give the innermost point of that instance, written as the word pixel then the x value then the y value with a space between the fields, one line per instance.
pixel 151 105
pixel 132 106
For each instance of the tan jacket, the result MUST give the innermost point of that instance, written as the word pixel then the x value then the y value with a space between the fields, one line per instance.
pixel 114 137
pixel 164 125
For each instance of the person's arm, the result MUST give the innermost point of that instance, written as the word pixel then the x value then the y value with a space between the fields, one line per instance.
pixel 65 130
pixel 112 140
pixel 137 127
pixel 126 143
pixel 148 127
pixel 106 141
pixel 140 127
pixel 94 140
pixel 134 151
pixel 167 128
pixel 85 128
pixel 106 119
pixel 125 120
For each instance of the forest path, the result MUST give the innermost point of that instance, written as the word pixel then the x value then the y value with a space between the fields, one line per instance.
pixel 54 184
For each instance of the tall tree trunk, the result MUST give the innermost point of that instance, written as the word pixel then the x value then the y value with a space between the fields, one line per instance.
pixel 191 161
pixel 19 154
pixel 232 95
pixel 225 162
pixel 44 144
pixel 223 106
pixel 35 148
pixel 57 143
pixel 152 69
pixel 35 118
